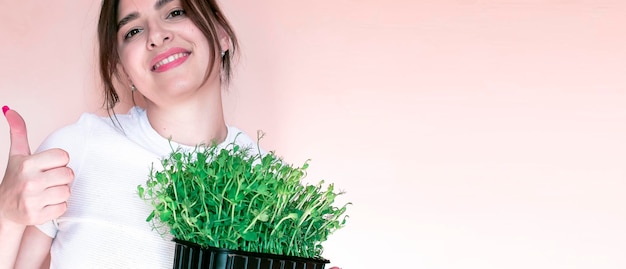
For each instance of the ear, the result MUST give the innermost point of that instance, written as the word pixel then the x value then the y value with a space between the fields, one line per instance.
pixel 224 39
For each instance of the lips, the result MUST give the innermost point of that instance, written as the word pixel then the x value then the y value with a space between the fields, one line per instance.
pixel 169 59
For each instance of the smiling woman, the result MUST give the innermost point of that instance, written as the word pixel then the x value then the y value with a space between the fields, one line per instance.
pixel 73 203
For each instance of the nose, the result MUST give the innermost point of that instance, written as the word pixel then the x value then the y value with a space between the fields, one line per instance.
pixel 157 36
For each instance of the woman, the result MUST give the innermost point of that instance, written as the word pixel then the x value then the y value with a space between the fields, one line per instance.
pixel 175 53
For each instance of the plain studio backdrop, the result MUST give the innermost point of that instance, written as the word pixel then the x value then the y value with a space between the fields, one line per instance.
pixel 467 133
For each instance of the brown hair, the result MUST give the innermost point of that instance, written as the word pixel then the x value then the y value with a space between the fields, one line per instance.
pixel 205 14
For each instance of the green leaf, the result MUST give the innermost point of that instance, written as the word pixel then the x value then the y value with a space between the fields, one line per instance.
pixel 263 217
pixel 165 216
pixel 250 236
pixel 150 217
pixel 140 190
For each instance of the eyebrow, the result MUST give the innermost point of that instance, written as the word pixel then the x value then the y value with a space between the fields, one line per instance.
pixel 158 5
pixel 127 19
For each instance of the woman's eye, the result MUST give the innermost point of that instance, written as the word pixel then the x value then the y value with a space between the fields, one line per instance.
pixel 131 33
pixel 176 13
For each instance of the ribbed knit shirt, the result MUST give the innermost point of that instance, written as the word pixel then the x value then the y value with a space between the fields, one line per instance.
pixel 105 224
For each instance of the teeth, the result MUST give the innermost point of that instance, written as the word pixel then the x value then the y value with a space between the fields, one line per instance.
pixel 169 59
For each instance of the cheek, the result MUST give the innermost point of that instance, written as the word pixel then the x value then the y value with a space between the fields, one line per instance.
pixel 131 59
pixel 192 32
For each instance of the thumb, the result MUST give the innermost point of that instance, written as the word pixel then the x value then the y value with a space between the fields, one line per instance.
pixel 19 139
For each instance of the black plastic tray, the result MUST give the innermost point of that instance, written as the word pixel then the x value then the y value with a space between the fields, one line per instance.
pixel 189 255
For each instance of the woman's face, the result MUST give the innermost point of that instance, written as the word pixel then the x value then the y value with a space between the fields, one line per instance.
pixel 163 53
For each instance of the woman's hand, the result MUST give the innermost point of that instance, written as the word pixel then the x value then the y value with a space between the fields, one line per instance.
pixel 35 187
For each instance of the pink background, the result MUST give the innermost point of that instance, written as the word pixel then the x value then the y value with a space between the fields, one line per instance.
pixel 467 133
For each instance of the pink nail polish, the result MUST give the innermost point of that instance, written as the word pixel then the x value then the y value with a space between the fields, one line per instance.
pixel 5 109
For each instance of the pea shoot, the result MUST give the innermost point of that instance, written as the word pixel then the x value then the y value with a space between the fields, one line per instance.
pixel 230 198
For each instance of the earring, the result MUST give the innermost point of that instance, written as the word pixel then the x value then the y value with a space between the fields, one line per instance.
pixel 224 53
pixel 133 88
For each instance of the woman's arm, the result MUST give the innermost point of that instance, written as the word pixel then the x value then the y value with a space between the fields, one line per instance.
pixel 34 189
pixel 34 249
pixel 11 236
pixel 23 246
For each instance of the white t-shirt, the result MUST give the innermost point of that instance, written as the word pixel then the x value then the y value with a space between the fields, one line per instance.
pixel 105 224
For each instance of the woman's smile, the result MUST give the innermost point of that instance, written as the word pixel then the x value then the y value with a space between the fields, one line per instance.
pixel 169 59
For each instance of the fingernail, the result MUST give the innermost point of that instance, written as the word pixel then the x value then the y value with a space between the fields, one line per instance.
pixel 5 109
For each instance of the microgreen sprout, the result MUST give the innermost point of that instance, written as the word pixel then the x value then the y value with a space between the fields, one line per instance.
pixel 229 198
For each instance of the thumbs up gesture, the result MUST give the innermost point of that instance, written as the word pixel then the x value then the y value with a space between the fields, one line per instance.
pixel 35 187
